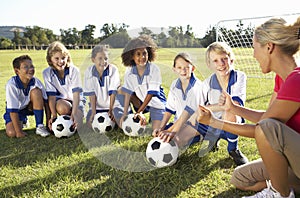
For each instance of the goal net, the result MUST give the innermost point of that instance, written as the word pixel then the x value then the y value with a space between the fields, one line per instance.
pixel 238 34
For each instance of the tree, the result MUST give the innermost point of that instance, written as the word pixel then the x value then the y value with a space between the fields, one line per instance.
pixel 5 43
pixel 87 35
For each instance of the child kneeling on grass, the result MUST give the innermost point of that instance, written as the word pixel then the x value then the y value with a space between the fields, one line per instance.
pixel 25 95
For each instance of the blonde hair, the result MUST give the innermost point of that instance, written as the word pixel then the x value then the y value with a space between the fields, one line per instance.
pixel 219 48
pixel 278 31
pixel 55 47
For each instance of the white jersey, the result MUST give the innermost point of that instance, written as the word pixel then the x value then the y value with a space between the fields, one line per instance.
pixel 101 87
pixel 177 99
pixel 236 88
pixel 18 97
pixel 62 88
pixel 149 83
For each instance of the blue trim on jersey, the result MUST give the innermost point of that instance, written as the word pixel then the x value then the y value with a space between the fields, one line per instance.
pixel 96 74
pixel 170 111
pixel 77 89
pixel 92 93
pixel 189 110
pixel 162 96
pixel 66 72
pixel 191 84
pixel 214 83
pixel 112 92
pixel 127 90
pixel 154 93
pixel 20 85
pixel 238 99
pixel 146 72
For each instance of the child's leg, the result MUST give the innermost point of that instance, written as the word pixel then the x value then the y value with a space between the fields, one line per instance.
pixel 232 140
pixel 79 118
pixel 37 103
pixel 63 107
pixel 185 136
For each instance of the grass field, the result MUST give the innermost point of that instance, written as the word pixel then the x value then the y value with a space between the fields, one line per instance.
pixel 76 167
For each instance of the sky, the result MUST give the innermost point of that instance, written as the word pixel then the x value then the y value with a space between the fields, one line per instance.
pixel 199 14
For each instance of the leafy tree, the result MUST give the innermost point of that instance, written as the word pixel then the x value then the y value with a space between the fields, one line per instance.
pixel 5 43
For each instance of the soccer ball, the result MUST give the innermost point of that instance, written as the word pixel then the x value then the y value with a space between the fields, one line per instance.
pixel 102 123
pixel 161 154
pixel 131 126
pixel 62 126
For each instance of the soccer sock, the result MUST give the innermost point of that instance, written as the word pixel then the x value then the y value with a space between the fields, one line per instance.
pixel 39 116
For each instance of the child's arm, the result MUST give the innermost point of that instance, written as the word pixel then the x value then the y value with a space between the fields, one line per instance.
pixel 75 104
pixel 142 108
pixel 168 134
pixel 93 107
pixel 52 107
pixel 47 112
pixel 165 120
pixel 112 99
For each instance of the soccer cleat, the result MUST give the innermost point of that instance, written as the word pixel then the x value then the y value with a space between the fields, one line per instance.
pixel 238 157
pixel 42 131
pixel 270 192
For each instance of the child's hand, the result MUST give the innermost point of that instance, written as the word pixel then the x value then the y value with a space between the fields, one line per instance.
pixel 156 132
pixel 51 120
pixel 166 136
pixel 21 134
pixel 111 115
pixel 124 116
pixel 142 118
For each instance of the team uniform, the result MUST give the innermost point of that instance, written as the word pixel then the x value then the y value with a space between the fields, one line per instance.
pixel 63 88
pixel 149 83
pixel 283 137
pixel 210 93
pixel 101 87
pixel 18 98
pixel 177 99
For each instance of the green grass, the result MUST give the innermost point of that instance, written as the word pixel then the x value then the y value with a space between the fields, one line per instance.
pixel 89 165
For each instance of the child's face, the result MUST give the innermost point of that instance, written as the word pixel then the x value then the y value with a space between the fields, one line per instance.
pixel 140 56
pixel 101 61
pixel 59 61
pixel 220 63
pixel 183 68
pixel 26 71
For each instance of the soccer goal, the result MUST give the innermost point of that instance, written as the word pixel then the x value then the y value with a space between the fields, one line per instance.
pixel 238 34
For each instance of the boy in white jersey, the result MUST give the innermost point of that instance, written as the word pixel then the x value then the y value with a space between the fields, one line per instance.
pixel 187 85
pixel 63 84
pixel 25 95
pixel 142 82
pixel 219 58
pixel 101 82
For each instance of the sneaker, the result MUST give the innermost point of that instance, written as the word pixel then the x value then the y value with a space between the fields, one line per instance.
pixel 42 131
pixel 270 192
pixel 238 157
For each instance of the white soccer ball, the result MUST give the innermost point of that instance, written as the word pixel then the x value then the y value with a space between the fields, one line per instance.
pixel 102 123
pixel 131 126
pixel 161 154
pixel 62 126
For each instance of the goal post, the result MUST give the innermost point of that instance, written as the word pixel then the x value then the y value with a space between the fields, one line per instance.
pixel 238 34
